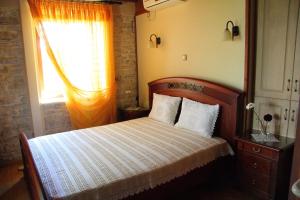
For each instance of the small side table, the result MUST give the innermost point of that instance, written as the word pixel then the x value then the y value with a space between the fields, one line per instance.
pixel 132 113
pixel 264 167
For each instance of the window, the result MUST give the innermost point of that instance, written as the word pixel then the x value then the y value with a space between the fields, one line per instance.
pixel 75 59
pixel 83 60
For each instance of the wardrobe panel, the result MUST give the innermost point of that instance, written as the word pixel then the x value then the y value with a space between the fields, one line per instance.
pixel 275 48
pixel 278 108
pixel 293 119
pixel 296 74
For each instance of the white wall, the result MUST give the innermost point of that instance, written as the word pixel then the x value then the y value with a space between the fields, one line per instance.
pixel 195 28
pixel 31 62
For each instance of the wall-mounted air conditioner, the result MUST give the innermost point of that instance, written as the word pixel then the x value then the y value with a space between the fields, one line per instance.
pixel 160 4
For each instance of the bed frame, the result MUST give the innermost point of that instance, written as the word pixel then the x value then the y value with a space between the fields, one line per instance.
pixel 230 100
pixel 228 126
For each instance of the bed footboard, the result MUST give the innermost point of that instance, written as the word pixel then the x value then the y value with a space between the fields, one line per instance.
pixel 30 172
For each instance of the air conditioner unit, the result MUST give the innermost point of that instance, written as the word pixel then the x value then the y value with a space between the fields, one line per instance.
pixel 152 5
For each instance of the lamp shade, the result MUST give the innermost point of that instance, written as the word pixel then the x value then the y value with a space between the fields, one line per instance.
pixel 151 44
pixel 227 35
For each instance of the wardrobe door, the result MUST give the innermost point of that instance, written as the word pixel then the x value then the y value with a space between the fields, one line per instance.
pixel 276 35
pixel 293 119
pixel 278 108
pixel 296 76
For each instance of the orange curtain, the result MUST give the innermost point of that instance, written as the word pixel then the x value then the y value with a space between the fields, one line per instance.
pixel 78 40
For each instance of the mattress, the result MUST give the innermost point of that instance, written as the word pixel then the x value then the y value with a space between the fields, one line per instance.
pixel 118 160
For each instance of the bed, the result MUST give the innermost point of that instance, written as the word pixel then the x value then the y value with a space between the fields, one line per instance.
pixel 136 159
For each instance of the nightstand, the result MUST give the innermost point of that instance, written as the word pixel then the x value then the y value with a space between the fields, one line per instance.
pixel 264 168
pixel 132 113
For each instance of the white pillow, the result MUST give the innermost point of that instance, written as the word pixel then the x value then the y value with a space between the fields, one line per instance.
pixel 164 108
pixel 198 117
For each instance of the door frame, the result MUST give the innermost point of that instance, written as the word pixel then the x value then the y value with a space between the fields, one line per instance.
pixel 250 58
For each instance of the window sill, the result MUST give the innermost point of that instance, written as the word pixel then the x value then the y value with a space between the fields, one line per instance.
pixel 52 100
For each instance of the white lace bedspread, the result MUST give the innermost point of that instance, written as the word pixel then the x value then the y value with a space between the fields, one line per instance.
pixel 117 160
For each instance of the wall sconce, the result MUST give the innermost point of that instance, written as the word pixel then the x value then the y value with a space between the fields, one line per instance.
pixel 229 35
pixel 154 41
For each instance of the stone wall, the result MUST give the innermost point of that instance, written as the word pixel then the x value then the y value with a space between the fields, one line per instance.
pixel 15 114
pixel 125 54
pixel 56 118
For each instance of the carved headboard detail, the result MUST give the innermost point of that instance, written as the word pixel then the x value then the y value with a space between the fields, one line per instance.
pixel 185 85
pixel 230 100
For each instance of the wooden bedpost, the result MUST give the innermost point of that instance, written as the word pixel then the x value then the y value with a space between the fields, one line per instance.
pixel 30 173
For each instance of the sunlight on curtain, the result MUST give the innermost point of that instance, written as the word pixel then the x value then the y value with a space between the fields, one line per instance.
pixel 78 40
pixel 85 69
pixel 82 52
pixel 51 85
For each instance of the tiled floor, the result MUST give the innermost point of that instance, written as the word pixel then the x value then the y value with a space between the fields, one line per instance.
pixel 13 187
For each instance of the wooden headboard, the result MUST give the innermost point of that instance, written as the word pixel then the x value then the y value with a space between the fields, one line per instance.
pixel 230 100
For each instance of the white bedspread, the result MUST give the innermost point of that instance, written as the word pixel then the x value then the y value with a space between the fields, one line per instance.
pixel 117 160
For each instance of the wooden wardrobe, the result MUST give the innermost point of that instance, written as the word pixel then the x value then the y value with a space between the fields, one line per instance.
pixel 278 64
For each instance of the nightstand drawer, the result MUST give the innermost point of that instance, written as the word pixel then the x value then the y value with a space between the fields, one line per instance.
pixel 256 181
pixel 259 150
pixel 256 164
pixel 263 167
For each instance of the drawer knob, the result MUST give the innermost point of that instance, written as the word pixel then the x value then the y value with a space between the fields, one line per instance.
pixel 254 165
pixel 256 150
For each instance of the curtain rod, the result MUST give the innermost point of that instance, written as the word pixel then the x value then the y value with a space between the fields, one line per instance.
pixel 95 1
pixel 101 1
